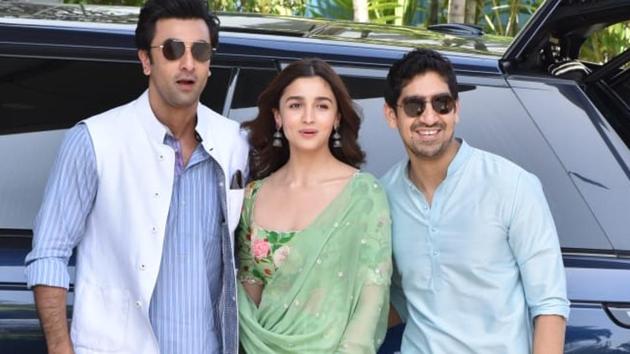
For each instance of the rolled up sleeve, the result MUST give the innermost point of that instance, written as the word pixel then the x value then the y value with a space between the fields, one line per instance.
pixel 67 202
pixel 534 241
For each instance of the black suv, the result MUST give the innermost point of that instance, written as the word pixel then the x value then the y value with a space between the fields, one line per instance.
pixel 531 101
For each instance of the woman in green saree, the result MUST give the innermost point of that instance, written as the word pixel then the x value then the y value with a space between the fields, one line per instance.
pixel 314 237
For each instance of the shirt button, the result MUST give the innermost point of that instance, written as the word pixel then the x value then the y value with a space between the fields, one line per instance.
pixel 436 253
pixel 139 304
pixel 154 230
pixel 143 267
pixel 156 195
pixel 221 184
pixel 161 157
pixel 433 229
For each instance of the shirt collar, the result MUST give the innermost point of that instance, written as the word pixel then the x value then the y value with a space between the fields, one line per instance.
pixel 157 131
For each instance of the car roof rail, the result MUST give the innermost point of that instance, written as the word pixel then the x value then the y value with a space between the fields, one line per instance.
pixel 458 29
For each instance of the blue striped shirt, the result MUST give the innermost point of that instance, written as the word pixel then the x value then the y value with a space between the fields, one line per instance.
pixel 184 306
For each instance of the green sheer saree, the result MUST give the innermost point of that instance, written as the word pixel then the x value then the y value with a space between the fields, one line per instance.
pixel 330 294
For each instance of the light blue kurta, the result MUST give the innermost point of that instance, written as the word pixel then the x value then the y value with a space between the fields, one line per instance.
pixel 478 264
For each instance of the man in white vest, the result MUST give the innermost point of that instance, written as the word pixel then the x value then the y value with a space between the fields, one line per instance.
pixel 150 193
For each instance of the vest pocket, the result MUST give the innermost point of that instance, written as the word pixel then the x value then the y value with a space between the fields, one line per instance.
pixel 100 317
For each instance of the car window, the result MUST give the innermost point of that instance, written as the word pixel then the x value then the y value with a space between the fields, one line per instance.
pixel 41 98
pixel 606 43
pixel 492 118
pixel 593 154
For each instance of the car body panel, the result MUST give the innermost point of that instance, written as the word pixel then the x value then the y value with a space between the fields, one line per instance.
pixel 547 125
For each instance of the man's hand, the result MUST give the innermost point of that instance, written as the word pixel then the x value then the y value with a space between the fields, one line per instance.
pixel 394 318
pixel 51 309
pixel 549 334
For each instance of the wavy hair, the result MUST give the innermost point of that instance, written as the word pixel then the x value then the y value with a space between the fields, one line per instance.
pixel 265 158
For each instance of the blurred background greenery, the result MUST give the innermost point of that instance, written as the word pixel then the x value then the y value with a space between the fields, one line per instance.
pixel 499 17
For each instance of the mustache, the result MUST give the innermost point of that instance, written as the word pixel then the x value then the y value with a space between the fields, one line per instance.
pixel 417 125
pixel 186 77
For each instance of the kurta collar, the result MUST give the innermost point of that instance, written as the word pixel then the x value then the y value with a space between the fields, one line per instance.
pixel 460 158
pixel 462 155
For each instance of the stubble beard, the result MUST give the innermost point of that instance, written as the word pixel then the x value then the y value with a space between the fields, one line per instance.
pixel 430 151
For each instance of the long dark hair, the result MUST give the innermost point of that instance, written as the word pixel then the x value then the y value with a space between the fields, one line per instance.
pixel 265 158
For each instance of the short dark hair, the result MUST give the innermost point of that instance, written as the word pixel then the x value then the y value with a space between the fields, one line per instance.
pixel 265 158
pixel 154 10
pixel 418 62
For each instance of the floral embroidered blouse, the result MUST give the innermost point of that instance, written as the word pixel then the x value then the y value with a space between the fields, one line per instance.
pixel 326 287
pixel 261 252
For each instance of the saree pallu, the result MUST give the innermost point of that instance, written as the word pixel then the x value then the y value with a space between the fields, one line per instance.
pixel 331 294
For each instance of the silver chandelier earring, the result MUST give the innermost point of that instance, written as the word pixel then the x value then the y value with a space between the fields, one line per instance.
pixel 277 139
pixel 336 143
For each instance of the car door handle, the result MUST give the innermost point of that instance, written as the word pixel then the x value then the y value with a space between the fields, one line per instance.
pixel 619 313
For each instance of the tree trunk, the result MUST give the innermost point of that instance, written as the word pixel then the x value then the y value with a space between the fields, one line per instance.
pixel 433 12
pixel 456 11
pixel 360 10
pixel 471 12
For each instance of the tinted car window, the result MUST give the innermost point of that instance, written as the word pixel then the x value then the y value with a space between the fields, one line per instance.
pixel 594 156
pixel 251 82
pixel 492 119
pixel 43 97
pixel 43 94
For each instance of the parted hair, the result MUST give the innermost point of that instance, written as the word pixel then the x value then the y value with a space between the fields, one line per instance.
pixel 418 62
pixel 265 158
pixel 154 10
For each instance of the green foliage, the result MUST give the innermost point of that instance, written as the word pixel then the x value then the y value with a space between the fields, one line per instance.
pixel 337 9
pixel 503 17
pixel 606 43
pixel 274 7
pixel 107 2
pixel 500 17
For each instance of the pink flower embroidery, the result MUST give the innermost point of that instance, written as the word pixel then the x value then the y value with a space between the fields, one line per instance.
pixel 260 248
pixel 280 255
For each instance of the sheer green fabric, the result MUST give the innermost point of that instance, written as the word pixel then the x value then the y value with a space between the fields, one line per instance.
pixel 331 293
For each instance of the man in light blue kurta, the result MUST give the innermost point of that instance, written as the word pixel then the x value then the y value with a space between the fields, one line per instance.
pixel 479 268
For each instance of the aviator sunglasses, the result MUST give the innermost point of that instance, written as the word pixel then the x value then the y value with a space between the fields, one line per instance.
pixel 415 106
pixel 174 49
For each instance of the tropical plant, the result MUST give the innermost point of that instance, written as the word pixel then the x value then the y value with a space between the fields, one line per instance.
pixel 275 7
pixel 396 12
pixel 606 43
pixel 504 17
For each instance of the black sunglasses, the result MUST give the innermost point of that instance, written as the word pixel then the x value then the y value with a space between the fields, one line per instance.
pixel 174 49
pixel 415 106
